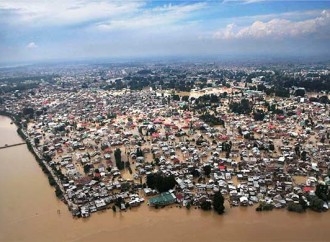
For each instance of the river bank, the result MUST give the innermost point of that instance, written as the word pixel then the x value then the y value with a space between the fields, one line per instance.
pixel 52 179
pixel 29 212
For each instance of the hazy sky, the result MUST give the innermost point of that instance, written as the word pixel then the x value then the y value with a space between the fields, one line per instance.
pixel 75 29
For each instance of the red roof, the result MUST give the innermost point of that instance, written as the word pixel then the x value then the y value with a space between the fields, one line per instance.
pixel 271 126
pixel 223 137
pixel 176 160
pixel 179 196
pixel 155 135
pixel 307 189
pixel 222 167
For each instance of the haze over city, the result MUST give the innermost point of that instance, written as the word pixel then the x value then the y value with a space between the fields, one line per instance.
pixel 81 29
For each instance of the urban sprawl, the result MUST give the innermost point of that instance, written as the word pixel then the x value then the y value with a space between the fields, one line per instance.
pixel 197 135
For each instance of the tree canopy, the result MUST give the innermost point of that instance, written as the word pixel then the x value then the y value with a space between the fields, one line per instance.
pixel 218 201
pixel 160 182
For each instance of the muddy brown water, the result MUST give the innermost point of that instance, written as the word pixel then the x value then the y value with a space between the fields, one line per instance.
pixel 29 212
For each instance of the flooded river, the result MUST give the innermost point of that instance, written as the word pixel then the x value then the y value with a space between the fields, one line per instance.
pixel 29 211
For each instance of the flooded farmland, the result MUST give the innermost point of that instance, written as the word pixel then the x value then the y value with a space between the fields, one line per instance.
pixel 30 211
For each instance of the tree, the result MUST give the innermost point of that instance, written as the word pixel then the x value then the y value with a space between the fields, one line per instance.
pixel 293 207
pixel 303 203
pixel 218 201
pixel 160 182
pixel 211 119
pixel 120 165
pixel 151 181
pixel 261 87
pixel 176 97
pixel 125 186
pixel 36 141
pixel 321 191
pixel 195 173
pixel 243 107
pixel 259 115
pixel 188 206
pixel 315 203
pixel 139 152
pixel 282 92
pixel 87 168
pixel 206 205
pixel 207 170
pixel 269 91
pixel 300 92
pixel 303 155
pixel 324 99
pixel 28 111
pixel 297 150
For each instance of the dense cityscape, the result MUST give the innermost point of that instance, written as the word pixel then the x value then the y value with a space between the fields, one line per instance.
pixel 164 120
pixel 199 135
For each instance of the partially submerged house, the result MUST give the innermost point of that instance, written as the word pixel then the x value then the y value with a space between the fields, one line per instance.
pixel 163 199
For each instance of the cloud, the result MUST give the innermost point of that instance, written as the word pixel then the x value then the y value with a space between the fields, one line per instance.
pixel 63 12
pixel 155 17
pixel 104 15
pixel 31 45
pixel 278 28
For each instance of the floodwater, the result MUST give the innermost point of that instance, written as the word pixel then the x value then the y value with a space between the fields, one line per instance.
pixel 7 132
pixel 29 211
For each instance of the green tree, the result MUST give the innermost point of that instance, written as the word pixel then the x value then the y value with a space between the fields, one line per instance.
pixel 87 168
pixel 324 99
pixel 259 115
pixel 207 170
pixel 160 182
pixel 206 205
pixel 120 165
pixel 300 92
pixel 243 107
pixel 293 207
pixel 316 204
pixel 176 97
pixel 322 191
pixel 218 201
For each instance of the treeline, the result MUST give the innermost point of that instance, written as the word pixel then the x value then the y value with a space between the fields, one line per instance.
pixel 317 84
pixel 323 99
pixel 242 107
pixel 139 82
pixel 14 117
pixel 208 98
pixel 211 119
pixel 19 86
pixel 50 177
pixel 277 90
pixel 26 78
pixel 51 180
pixel 24 83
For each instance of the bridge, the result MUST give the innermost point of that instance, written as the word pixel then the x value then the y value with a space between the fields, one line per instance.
pixel 8 146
